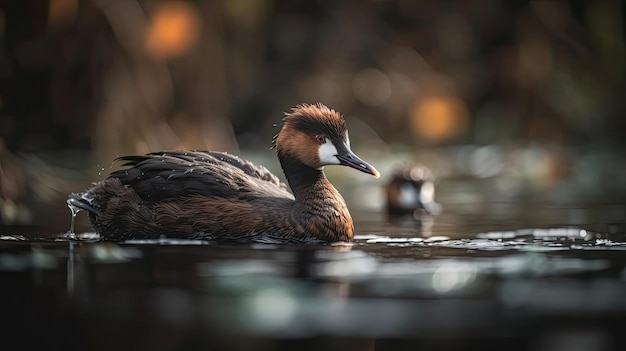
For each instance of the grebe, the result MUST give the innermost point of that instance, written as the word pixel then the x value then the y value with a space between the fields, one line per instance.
pixel 215 195
pixel 410 189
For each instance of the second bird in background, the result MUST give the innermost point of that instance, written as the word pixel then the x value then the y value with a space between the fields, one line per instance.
pixel 411 189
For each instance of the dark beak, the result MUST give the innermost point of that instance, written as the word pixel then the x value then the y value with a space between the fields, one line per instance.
pixel 348 158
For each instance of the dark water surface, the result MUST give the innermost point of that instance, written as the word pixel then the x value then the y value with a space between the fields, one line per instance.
pixel 541 277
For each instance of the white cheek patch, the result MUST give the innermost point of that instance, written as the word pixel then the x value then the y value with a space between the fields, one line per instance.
pixel 327 153
pixel 428 193
pixel 409 197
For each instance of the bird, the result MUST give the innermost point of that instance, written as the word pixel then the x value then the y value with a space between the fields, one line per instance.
pixel 411 188
pixel 218 196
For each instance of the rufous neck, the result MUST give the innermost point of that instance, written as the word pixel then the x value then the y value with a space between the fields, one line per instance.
pixel 326 214
pixel 303 180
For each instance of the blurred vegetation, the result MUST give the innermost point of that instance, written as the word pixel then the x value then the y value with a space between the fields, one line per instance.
pixel 480 88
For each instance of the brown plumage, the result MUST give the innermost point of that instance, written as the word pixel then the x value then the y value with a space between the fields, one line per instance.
pixel 214 195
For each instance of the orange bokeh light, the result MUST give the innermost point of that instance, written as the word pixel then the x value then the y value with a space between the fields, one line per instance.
pixel 173 30
pixel 62 12
pixel 435 119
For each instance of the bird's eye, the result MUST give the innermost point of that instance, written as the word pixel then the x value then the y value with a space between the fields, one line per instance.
pixel 321 138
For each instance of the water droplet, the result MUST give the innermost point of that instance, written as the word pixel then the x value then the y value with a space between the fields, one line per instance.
pixel 74 209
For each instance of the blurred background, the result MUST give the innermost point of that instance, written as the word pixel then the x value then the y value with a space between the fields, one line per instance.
pixel 525 98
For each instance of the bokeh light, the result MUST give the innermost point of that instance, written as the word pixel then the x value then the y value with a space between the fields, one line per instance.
pixel 247 13
pixel 272 308
pixel 439 118
pixel 61 12
pixel 173 30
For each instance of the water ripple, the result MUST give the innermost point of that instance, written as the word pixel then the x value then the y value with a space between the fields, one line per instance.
pixel 533 240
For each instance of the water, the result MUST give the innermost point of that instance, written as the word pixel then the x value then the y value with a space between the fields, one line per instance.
pixel 456 281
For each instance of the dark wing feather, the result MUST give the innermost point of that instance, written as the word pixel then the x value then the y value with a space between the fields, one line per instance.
pixel 171 174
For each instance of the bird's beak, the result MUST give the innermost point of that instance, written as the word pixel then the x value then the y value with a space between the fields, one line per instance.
pixel 348 158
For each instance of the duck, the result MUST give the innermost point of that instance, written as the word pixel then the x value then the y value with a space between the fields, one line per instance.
pixel 411 188
pixel 218 196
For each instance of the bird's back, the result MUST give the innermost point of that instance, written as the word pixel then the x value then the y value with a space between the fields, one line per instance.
pixel 186 194
pixel 172 174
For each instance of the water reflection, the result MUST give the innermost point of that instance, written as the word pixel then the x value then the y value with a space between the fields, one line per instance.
pixel 403 282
